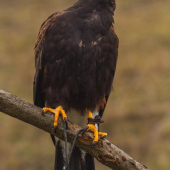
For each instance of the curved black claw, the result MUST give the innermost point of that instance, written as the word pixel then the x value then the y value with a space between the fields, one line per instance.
pixel 42 112
pixel 94 143
pixel 102 137
pixel 66 122
pixel 84 130
pixel 55 129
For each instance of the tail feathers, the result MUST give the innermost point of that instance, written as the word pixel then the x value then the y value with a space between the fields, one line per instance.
pixel 59 159
pixel 79 160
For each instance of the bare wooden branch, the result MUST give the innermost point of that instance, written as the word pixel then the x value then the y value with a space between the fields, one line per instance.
pixel 105 152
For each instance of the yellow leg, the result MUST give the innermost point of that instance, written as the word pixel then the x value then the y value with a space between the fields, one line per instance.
pixel 59 110
pixel 90 114
pixel 92 127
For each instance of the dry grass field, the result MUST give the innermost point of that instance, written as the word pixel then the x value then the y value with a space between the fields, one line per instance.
pixel 137 117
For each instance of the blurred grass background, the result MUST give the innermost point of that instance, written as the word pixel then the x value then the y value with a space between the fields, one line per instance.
pixel 137 115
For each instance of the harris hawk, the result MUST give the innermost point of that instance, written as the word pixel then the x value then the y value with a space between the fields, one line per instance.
pixel 75 59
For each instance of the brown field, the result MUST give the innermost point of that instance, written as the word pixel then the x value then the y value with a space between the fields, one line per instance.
pixel 138 112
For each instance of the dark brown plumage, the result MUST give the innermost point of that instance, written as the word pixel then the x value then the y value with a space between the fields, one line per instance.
pixel 75 57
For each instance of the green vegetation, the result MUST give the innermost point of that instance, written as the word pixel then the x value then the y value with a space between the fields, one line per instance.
pixel 137 116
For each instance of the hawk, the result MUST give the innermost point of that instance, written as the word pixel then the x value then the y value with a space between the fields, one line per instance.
pixel 75 59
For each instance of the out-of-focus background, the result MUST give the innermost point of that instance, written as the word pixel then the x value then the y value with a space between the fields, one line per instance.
pixel 137 117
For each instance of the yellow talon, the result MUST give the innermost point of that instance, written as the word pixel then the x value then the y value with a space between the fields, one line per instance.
pixel 92 127
pixel 102 134
pixel 59 110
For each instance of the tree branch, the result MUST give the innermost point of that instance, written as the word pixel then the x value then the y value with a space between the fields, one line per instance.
pixel 105 152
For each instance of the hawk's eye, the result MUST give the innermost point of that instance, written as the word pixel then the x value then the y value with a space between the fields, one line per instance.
pixel 113 1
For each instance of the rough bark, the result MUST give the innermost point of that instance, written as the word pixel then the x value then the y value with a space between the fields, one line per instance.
pixel 105 152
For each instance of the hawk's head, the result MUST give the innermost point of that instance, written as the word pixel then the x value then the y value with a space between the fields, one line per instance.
pixel 110 4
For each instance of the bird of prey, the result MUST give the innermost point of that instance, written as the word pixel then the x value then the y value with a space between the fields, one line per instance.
pixel 75 58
